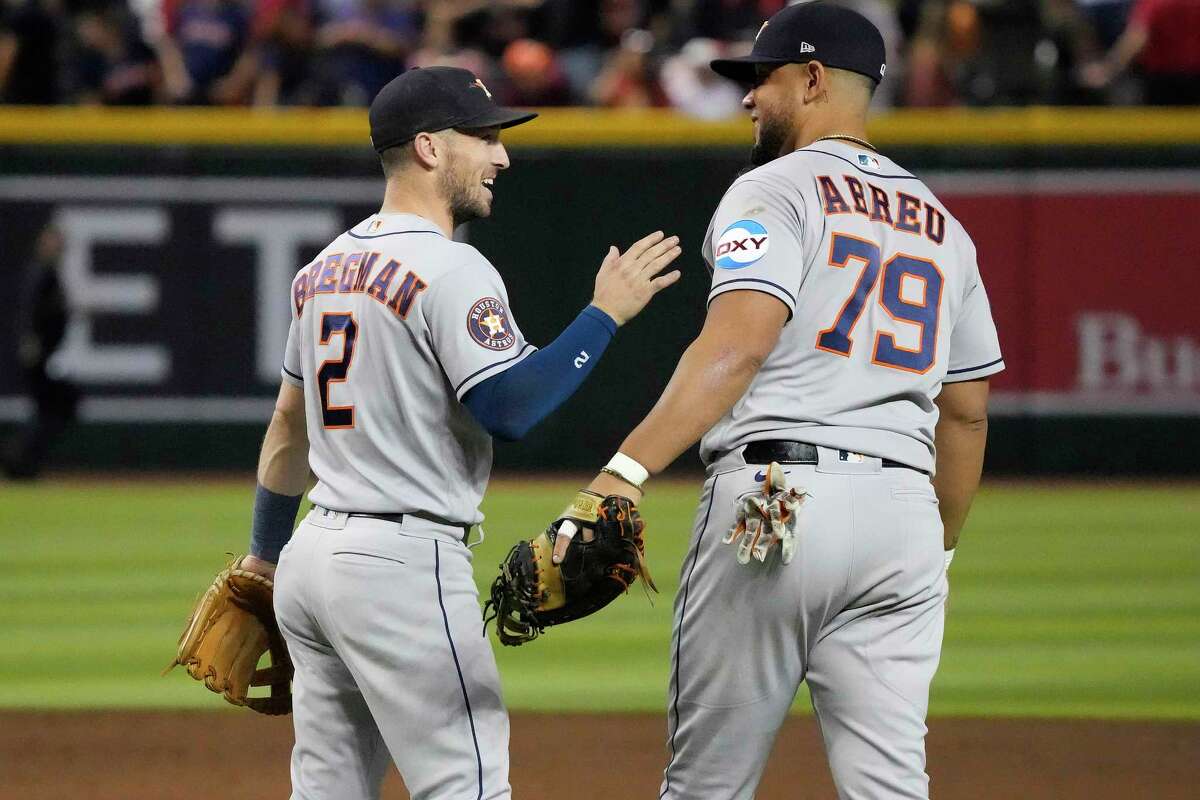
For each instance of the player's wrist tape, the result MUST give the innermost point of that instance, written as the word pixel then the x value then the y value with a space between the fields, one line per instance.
pixel 274 518
pixel 623 467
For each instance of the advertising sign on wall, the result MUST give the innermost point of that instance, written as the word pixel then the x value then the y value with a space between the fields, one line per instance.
pixel 1092 278
pixel 181 285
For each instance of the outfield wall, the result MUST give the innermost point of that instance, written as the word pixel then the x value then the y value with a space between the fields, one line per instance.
pixel 184 227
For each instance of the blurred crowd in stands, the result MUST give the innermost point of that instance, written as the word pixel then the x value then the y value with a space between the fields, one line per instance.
pixel 609 53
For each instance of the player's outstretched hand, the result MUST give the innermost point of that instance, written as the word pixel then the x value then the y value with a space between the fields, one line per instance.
pixel 626 281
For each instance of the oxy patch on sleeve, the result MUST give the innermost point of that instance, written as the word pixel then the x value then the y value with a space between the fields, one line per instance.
pixel 489 326
pixel 741 244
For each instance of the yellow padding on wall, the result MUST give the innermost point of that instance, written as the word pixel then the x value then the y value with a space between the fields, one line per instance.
pixel 592 128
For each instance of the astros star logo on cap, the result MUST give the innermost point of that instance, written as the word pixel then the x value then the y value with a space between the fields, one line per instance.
pixel 479 83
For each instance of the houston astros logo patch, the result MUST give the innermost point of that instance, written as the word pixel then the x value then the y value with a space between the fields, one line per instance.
pixel 741 244
pixel 489 326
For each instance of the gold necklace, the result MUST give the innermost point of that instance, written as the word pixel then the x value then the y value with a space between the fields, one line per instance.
pixel 848 137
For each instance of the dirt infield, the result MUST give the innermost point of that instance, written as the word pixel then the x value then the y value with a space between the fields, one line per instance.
pixel 180 756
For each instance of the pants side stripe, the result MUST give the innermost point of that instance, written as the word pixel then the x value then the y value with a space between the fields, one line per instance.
pixel 687 585
pixel 437 569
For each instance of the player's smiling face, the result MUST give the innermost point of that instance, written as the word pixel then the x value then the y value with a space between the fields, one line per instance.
pixel 468 180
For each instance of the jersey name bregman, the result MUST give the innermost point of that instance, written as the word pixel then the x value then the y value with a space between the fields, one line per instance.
pixel 339 273
pixel 907 213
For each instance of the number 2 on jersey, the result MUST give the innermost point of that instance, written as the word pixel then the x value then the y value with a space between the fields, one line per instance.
pixel 838 338
pixel 335 370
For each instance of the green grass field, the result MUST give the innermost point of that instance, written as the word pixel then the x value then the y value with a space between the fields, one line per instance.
pixel 1066 601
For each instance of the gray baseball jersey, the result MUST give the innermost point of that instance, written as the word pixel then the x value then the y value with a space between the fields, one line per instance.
pixel 392 324
pixel 885 300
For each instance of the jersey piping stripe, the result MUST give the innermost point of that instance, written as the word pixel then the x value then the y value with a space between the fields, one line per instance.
pixel 687 586
pixel 354 235
pixel 467 379
pixel 972 369
pixel 790 296
pixel 294 375
pixel 437 574
pixel 857 167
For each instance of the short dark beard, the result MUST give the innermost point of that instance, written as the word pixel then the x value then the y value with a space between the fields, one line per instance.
pixel 460 196
pixel 772 135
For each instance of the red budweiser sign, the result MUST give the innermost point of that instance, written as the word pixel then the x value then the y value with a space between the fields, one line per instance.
pixel 1094 278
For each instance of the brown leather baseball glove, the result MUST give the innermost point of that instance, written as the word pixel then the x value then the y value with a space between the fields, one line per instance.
pixel 231 627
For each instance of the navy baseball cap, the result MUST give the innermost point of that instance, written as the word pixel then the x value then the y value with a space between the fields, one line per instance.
pixel 817 31
pixel 434 99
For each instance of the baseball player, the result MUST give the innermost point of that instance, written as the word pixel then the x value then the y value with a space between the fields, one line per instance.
pixel 847 329
pixel 403 360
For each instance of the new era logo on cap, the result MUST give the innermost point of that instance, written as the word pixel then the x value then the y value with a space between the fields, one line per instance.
pixel 805 47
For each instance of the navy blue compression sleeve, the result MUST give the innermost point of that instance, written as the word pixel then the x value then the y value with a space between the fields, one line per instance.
pixel 274 518
pixel 511 403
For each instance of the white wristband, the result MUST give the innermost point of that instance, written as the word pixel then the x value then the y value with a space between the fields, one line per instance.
pixel 949 558
pixel 628 470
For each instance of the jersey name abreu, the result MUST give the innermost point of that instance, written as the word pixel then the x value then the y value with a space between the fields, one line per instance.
pixel 884 300
pixel 913 215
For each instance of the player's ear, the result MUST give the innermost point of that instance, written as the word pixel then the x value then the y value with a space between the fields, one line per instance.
pixel 428 149
pixel 815 81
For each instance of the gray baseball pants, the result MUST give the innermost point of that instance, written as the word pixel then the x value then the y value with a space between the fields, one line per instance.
pixel 382 621
pixel 858 614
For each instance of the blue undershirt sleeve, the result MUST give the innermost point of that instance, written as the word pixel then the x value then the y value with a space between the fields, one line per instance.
pixel 508 405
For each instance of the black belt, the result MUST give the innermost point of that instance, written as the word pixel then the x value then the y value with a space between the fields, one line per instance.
pixel 399 518
pixel 396 518
pixel 800 453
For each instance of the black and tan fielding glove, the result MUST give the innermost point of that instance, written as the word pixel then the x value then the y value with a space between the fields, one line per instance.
pixel 230 629
pixel 532 593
